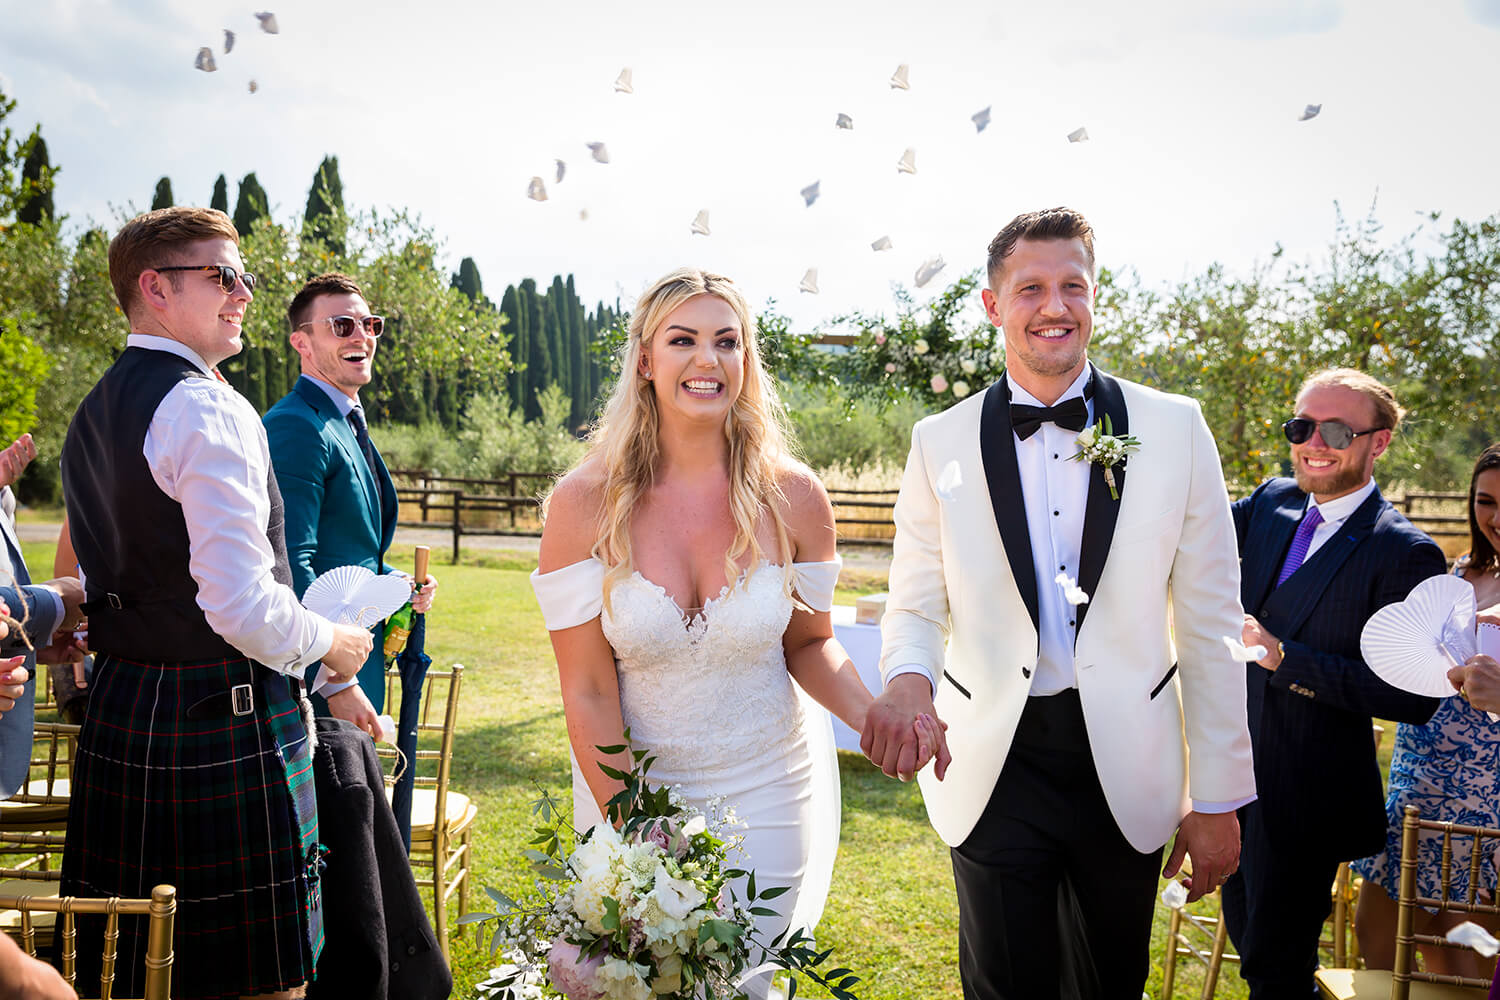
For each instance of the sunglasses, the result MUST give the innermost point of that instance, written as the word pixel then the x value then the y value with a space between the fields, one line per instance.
pixel 1335 433
pixel 344 326
pixel 227 275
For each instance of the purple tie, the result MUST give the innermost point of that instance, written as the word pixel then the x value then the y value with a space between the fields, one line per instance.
pixel 1300 542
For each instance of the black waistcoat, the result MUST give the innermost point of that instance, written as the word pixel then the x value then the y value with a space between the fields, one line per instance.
pixel 130 537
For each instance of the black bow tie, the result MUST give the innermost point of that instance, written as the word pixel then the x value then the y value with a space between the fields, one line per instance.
pixel 1072 414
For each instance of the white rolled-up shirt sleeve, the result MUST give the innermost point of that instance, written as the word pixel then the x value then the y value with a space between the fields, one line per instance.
pixel 207 450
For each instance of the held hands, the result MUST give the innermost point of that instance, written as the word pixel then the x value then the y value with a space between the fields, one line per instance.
pixel 13 460
pixel 1478 680
pixel 351 648
pixel 1253 633
pixel 71 591
pixel 902 731
pixel 421 599
pixel 13 679
pixel 1212 840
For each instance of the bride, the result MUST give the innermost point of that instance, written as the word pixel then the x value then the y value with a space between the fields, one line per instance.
pixel 686 572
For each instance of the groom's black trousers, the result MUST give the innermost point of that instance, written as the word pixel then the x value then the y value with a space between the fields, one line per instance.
pixel 1053 901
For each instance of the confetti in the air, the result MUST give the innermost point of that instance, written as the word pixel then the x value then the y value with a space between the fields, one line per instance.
pixel 601 154
pixel 1242 653
pixel 536 190
pixel 981 119
pixel 562 168
pixel 1079 135
pixel 583 215
pixel 810 193
pixel 228 41
pixel 843 121
pixel 205 60
pixel 810 281
pixel 908 162
pixel 1471 935
pixel 254 86
pixel 929 269
pixel 884 243
pixel 1071 591
pixel 899 80
pixel 1309 112
pixel 623 82
pixel 1174 895
pixel 268 22
pixel 700 224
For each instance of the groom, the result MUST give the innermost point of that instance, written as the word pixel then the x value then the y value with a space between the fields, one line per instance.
pixel 1082 735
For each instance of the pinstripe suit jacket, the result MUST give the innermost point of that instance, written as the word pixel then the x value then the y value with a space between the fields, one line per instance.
pixel 1315 768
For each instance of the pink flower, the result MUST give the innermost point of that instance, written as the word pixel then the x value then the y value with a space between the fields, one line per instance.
pixel 576 977
pixel 879 336
pixel 939 384
pixel 662 832
pixel 890 367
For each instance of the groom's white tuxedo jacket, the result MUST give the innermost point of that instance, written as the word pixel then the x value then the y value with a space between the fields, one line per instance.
pixel 1165 724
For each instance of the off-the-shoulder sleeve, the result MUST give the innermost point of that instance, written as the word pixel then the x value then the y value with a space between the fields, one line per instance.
pixel 571 595
pixel 816 580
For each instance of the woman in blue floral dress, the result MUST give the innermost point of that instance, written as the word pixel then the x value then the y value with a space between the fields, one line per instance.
pixel 1450 770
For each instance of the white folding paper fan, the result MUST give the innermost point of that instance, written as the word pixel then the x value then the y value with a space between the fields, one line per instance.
pixel 353 595
pixel 1412 644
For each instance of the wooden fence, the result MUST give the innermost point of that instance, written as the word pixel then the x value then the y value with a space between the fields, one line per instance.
pixel 510 506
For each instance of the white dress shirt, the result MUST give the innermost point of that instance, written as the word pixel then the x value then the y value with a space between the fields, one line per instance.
pixel 1335 512
pixel 207 450
pixel 9 570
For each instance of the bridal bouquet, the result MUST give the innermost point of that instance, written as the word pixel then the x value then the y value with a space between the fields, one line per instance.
pixel 643 906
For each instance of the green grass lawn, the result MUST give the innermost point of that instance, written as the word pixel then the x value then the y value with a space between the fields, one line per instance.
pixel 891 916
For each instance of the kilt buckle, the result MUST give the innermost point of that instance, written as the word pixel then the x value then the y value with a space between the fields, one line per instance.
pixel 242 699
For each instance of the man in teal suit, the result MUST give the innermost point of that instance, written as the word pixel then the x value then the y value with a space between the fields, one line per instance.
pixel 340 501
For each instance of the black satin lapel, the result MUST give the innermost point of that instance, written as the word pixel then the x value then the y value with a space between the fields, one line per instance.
pixel 1294 600
pixel 1102 510
pixel 997 448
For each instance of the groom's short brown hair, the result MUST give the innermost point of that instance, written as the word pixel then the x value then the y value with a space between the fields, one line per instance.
pixel 1048 224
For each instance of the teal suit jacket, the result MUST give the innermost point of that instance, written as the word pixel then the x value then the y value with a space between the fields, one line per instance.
pixel 338 512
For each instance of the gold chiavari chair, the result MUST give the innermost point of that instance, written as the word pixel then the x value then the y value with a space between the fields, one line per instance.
pixel 160 909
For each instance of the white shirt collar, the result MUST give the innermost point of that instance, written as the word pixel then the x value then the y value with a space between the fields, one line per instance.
pixel 339 397
pixel 1020 395
pixel 1342 507
pixel 151 342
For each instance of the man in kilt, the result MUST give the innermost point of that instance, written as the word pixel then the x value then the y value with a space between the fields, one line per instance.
pixel 193 763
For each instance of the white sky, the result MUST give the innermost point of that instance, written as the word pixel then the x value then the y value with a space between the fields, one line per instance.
pixel 448 109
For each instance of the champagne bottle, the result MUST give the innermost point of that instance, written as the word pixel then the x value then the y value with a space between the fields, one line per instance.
pixel 398 625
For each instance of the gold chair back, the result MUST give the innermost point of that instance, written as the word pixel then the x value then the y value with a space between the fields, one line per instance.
pixel 160 909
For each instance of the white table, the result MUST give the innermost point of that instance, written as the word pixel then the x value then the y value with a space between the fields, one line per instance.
pixel 862 643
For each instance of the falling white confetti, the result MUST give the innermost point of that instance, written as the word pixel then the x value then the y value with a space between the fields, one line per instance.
pixel 205 60
pixel 268 22
pixel 562 168
pixel 884 243
pixel 949 480
pixel 1311 111
pixel 583 215
pixel 1174 895
pixel 981 119
pixel 601 155
pixel 1071 591
pixel 810 281
pixel 1471 935
pixel 254 86
pixel 899 79
pixel 1079 135
pixel 1244 654
pixel 536 190
pixel 843 121
pixel 623 82
pixel 810 193
pixel 700 223
pixel 929 269
pixel 908 162
pixel 228 41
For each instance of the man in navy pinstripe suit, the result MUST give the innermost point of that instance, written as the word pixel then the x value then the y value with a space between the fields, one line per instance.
pixel 1318 556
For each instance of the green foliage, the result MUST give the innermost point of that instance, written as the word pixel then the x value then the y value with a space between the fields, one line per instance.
pixel 831 432
pixel 252 205
pixel 17 194
pixel 163 196
pixel 467 280
pixel 35 200
pixel 325 220
pixel 493 440
pixel 220 198
pixel 23 366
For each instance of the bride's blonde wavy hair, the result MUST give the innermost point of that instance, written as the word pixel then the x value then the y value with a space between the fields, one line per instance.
pixel 627 442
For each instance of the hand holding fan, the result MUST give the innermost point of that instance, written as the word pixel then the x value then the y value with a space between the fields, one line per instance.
pixel 1412 644
pixel 353 595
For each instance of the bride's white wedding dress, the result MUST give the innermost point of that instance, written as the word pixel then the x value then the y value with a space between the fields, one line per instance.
pixel 709 695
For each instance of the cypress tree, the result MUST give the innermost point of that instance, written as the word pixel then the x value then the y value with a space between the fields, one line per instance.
pixel 163 196
pixel 252 205
pixel 220 200
pixel 581 393
pixel 325 207
pixel 35 202
pixel 557 336
pixel 515 322
pixel 538 357
pixel 467 280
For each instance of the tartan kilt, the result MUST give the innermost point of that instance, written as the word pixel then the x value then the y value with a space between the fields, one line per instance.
pixel 222 807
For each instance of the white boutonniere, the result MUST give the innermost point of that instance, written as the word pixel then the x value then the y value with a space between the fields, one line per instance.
pixel 1106 450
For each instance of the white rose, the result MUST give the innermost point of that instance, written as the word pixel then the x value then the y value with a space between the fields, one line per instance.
pixel 968 366
pixel 695 826
pixel 676 897
pixel 920 347
pixel 960 388
pixel 624 980
pixel 1086 439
